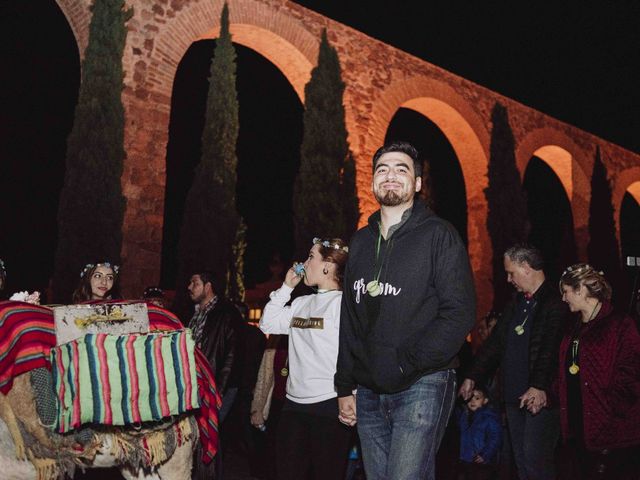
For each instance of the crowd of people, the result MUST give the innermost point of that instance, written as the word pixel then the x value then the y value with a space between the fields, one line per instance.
pixel 367 374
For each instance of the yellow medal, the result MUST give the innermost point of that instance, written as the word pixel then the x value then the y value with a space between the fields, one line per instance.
pixel 574 369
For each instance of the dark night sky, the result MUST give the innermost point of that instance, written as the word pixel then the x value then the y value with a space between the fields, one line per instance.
pixel 574 61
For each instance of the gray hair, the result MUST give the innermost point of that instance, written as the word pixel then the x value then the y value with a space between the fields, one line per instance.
pixel 524 253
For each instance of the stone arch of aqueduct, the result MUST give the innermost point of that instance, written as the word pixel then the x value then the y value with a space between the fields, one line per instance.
pixel 379 80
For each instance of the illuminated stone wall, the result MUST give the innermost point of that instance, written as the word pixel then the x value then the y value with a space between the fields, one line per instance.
pixel 379 80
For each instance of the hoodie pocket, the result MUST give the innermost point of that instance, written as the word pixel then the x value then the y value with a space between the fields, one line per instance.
pixel 384 367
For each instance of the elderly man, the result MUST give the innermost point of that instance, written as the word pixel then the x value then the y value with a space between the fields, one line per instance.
pixel 525 344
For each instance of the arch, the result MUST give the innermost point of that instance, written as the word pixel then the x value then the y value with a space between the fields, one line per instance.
pixel 560 162
pixel 634 190
pixel 570 163
pixel 562 154
pixel 454 116
pixel 625 181
pixel 78 16
pixel 466 132
pixel 279 38
pixel 151 65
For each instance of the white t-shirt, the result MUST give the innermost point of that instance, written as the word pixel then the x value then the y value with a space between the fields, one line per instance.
pixel 313 325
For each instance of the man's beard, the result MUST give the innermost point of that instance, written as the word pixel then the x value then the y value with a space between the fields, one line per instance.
pixel 197 299
pixel 391 198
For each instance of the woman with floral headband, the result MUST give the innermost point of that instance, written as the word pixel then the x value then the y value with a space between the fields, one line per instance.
pixel 98 281
pixel 310 442
pixel 599 379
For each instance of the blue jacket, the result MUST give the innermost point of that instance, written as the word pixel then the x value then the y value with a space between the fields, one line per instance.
pixel 482 436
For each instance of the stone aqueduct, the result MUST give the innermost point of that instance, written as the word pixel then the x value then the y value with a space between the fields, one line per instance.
pixel 379 80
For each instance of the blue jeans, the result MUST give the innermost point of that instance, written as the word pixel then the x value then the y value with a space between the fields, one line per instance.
pixel 533 440
pixel 400 432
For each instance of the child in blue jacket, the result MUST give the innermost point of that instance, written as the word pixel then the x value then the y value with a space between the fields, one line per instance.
pixel 480 437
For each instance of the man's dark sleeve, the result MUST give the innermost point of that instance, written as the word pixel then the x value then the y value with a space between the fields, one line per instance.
pixel 344 380
pixel 441 339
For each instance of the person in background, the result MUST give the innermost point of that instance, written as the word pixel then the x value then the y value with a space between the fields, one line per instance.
pixel 98 281
pixel 480 437
pixel 598 380
pixel 310 442
pixel 156 296
pixel 525 346
pixel 269 396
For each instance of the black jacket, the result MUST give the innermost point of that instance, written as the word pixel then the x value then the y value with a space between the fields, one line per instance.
pixel 219 340
pixel 544 343
pixel 417 325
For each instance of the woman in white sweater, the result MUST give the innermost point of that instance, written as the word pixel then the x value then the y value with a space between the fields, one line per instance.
pixel 311 443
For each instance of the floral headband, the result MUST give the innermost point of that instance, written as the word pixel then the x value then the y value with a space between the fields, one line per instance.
pixel 89 266
pixel 328 244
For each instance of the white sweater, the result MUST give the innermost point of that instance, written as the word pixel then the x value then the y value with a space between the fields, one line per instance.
pixel 313 325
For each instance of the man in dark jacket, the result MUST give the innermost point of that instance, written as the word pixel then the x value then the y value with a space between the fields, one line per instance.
pixel 525 343
pixel 407 305
pixel 214 325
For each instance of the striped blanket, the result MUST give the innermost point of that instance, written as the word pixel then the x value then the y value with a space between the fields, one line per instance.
pixel 124 379
pixel 27 335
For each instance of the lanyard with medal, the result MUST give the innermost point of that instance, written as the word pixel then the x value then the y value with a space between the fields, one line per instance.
pixel 373 287
pixel 519 329
pixel 284 371
pixel 574 368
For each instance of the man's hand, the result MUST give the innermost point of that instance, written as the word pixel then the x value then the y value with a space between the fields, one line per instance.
pixel 534 400
pixel 291 279
pixel 478 459
pixel 257 419
pixel 466 390
pixel 347 410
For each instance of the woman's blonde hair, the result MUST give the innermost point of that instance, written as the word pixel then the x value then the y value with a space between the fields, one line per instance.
pixel 593 280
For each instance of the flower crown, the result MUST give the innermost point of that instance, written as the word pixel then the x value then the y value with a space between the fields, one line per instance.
pixel 328 244
pixel 89 266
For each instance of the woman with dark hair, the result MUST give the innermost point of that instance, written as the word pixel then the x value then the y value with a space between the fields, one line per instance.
pixel 599 379
pixel 310 441
pixel 98 281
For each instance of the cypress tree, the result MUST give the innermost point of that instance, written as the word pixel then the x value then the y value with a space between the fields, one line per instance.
pixel 235 275
pixel 506 200
pixel 318 205
pixel 210 219
pixel 91 209
pixel 350 202
pixel 602 249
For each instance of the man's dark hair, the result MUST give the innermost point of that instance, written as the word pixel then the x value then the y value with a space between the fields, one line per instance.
pixel 207 276
pixel 522 252
pixel 402 147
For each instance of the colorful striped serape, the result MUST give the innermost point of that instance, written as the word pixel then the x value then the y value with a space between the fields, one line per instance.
pixel 124 379
pixel 26 336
